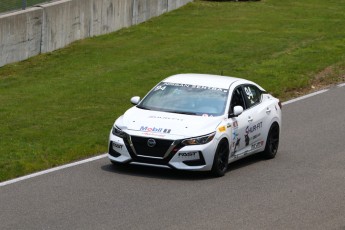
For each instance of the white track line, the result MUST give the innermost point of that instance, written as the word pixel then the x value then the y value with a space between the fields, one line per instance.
pixel 104 155
pixel 341 85
pixel 52 170
pixel 310 95
pixel 305 96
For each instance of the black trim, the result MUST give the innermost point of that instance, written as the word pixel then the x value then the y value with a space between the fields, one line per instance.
pixel 198 162
pixel 159 148
pixel 112 152
pixel 157 161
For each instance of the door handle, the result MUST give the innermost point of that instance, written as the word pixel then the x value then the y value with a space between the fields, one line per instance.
pixel 268 110
pixel 250 119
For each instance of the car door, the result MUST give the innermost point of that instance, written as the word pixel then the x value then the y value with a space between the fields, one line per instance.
pixel 256 115
pixel 238 124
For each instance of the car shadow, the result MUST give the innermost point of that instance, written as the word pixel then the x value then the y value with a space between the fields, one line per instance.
pixel 172 174
pixel 246 162
pixel 152 172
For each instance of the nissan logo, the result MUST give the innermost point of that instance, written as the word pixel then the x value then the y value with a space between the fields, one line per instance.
pixel 151 143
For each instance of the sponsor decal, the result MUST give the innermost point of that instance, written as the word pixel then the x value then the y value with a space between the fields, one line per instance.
pixel 189 154
pixel 256 127
pixel 166 118
pixel 257 145
pixel 235 139
pixel 235 145
pixel 222 128
pixel 117 146
pixel 246 139
pixel 234 134
pixel 256 136
pixel 251 129
pixel 194 86
pixel 153 134
pixel 154 129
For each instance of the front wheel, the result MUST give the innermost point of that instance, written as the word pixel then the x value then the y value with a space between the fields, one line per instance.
pixel 272 142
pixel 221 159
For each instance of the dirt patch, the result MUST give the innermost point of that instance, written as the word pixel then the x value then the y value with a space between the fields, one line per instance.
pixel 327 78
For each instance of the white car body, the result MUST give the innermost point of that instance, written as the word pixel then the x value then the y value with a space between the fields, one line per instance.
pixel 154 138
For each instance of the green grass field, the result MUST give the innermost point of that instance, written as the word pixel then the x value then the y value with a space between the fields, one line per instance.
pixel 59 107
pixel 9 5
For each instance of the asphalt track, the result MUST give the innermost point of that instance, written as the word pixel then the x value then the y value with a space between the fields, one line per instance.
pixel 302 188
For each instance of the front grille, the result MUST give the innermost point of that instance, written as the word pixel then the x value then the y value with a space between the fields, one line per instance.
pixel 159 150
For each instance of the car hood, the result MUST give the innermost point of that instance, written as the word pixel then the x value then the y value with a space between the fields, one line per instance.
pixel 162 124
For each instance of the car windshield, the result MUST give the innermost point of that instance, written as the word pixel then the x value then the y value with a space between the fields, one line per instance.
pixel 186 99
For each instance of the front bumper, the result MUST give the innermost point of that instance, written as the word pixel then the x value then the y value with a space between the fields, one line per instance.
pixel 166 154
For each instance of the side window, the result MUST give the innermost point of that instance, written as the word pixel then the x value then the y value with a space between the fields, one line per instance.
pixel 237 99
pixel 252 95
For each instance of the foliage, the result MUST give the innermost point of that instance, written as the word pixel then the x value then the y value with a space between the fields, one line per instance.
pixel 10 5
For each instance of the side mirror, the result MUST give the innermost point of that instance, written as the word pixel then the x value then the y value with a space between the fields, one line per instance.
pixel 238 110
pixel 135 100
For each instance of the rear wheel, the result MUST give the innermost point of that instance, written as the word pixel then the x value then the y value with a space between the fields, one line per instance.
pixel 221 159
pixel 272 142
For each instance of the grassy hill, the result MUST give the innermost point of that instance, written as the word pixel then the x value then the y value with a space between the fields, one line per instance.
pixel 10 5
pixel 59 107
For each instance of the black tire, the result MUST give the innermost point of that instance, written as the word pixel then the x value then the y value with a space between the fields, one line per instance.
pixel 272 142
pixel 221 159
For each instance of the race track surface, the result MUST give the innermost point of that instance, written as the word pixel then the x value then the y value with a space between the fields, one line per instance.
pixel 302 188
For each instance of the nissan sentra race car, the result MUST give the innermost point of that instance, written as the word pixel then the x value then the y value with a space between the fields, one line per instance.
pixel 197 122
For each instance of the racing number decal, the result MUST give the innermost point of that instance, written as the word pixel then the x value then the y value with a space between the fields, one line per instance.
pixel 160 88
pixel 249 93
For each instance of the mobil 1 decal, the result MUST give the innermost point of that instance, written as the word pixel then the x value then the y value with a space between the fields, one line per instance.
pixel 252 132
pixel 154 129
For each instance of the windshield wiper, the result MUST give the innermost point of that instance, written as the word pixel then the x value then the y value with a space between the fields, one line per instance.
pixel 141 107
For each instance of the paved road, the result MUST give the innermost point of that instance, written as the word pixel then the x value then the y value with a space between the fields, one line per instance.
pixel 302 188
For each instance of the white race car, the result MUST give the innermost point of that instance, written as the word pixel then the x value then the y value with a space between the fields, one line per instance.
pixel 197 122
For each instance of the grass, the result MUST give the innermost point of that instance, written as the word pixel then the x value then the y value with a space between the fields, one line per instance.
pixel 59 107
pixel 9 5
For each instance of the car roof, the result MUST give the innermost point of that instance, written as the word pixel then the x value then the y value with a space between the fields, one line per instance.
pixel 203 80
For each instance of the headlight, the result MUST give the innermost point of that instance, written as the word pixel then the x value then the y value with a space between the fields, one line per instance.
pixel 199 140
pixel 118 132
